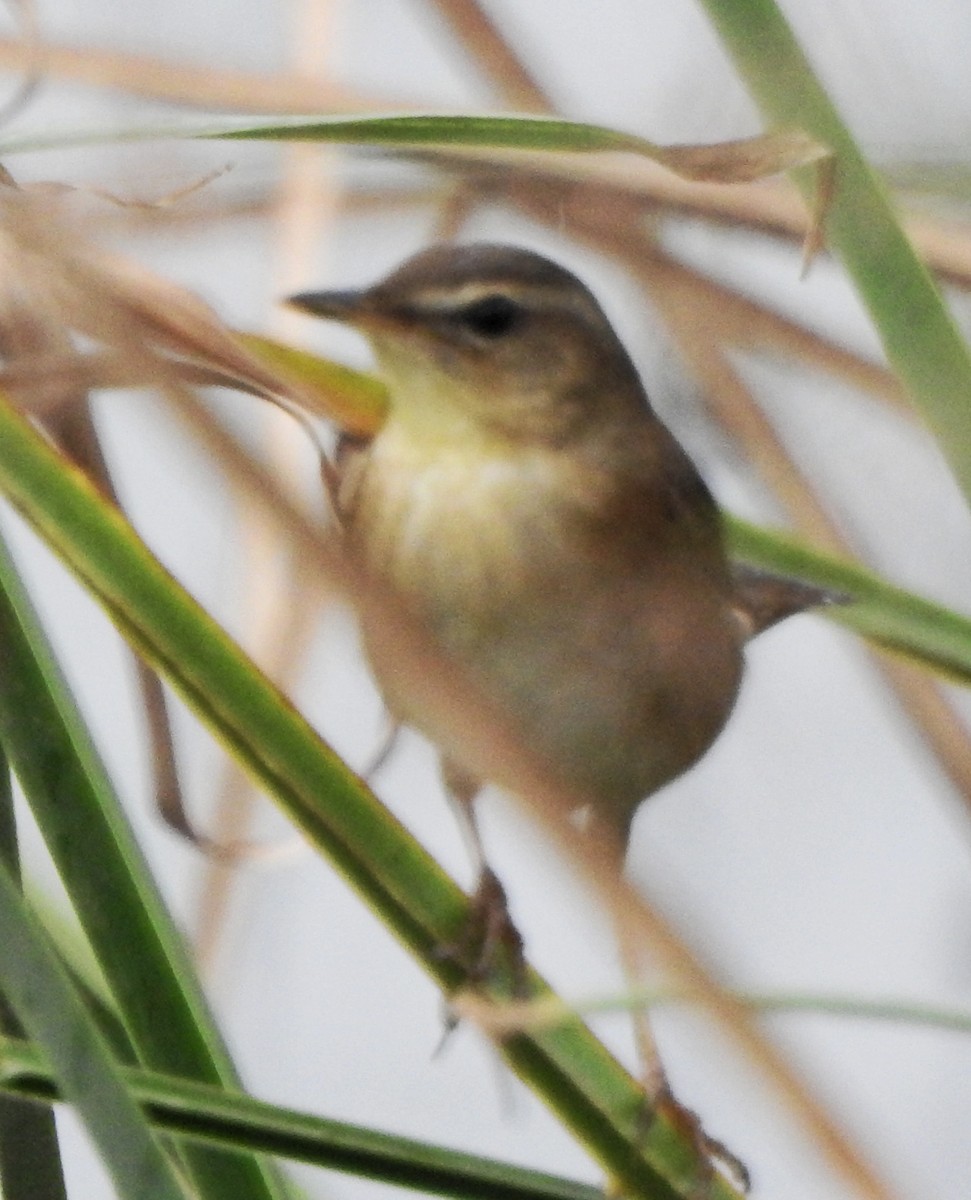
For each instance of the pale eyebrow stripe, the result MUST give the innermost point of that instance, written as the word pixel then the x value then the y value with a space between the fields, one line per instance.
pixel 443 299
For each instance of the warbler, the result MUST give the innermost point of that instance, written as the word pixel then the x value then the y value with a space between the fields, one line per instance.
pixel 534 514
pixel 530 510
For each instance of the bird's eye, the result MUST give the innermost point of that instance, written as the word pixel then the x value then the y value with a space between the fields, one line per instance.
pixel 492 316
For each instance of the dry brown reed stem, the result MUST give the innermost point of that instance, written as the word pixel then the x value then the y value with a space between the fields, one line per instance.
pixel 491 52
pixel 207 87
pixel 73 427
pixel 255 201
pixel 46 383
pixel 747 324
pixel 30 329
pixel 770 206
pixel 484 44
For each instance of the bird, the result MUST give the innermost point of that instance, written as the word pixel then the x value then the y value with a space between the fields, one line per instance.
pixel 526 505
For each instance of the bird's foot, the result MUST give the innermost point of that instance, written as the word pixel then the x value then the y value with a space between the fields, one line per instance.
pixel 489 947
pixel 711 1152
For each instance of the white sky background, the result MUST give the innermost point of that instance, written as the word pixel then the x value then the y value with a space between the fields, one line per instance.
pixel 817 847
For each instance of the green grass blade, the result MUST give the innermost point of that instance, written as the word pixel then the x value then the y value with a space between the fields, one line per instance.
pixel 724 162
pixel 920 338
pixel 418 129
pixel 137 946
pixel 751 158
pixel 211 1114
pixel 890 1010
pixel 410 130
pixel 355 401
pixel 930 634
pixel 87 1076
pixel 30 1158
pixel 80 963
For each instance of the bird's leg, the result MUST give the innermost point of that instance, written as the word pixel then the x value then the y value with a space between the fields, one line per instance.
pixel 490 943
pixel 658 1096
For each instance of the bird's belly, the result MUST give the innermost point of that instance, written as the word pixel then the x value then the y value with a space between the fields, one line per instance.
pixel 608 679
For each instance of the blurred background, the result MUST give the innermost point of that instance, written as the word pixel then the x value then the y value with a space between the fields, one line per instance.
pixel 824 845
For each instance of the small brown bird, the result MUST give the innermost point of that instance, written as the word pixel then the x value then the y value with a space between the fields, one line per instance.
pixel 532 512
pixel 535 515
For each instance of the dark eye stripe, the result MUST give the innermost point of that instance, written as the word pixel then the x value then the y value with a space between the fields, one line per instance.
pixel 492 316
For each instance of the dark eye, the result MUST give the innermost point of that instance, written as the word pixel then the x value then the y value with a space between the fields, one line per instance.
pixel 492 316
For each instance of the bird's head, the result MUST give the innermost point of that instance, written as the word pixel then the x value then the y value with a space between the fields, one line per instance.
pixel 489 338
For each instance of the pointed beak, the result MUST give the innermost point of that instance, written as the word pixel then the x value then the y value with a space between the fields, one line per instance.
pixel 348 307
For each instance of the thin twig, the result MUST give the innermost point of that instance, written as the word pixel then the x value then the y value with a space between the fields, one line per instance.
pixel 206 86
pixel 492 53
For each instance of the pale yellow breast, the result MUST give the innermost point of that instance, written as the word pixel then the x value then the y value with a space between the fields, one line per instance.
pixel 451 523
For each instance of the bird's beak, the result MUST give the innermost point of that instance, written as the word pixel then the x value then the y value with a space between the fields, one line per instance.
pixel 347 306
